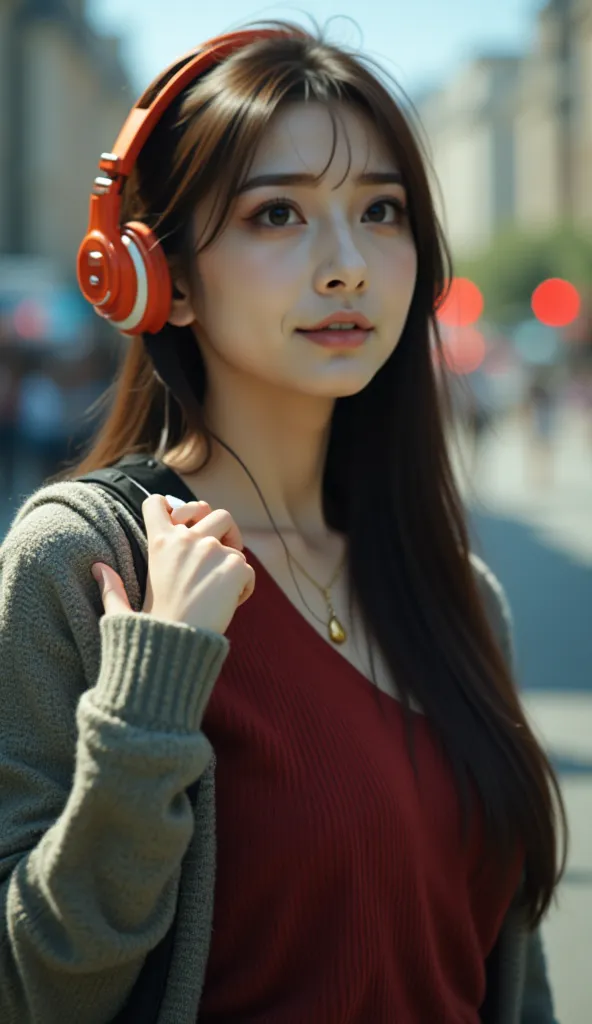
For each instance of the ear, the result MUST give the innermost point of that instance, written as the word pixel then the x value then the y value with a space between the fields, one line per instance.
pixel 181 312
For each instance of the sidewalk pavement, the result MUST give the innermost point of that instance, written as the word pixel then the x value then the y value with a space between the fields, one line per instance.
pixel 560 513
pixel 563 722
pixel 561 516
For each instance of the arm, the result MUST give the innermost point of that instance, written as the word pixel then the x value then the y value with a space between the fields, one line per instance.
pixel 537 1002
pixel 99 738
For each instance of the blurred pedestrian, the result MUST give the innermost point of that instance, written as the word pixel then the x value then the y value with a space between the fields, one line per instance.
pixel 542 410
pixel 481 416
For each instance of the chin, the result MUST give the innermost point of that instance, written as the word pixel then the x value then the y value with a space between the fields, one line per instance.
pixel 341 383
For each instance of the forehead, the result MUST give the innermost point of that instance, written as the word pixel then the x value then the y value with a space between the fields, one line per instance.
pixel 308 137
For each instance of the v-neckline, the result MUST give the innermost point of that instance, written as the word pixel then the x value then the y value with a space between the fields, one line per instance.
pixel 301 622
pixel 305 627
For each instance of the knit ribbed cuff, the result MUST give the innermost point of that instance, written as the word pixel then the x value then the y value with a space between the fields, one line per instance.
pixel 157 674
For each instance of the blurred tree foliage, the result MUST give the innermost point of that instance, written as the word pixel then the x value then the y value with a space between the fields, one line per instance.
pixel 511 268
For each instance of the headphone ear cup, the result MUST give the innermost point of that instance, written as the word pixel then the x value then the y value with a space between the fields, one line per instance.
pixel 102 262
pixel 153 289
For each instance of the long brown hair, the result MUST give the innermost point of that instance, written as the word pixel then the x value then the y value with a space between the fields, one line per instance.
pixel 388 483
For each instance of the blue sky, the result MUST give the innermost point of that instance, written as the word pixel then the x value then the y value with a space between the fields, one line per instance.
pixel 420 42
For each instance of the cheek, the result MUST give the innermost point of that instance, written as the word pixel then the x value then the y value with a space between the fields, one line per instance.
pixel 253 284
pixel 240 264
pixel 399 281
pixel 239 298
pixel 411 271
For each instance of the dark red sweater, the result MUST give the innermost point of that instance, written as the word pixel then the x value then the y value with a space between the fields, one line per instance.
pixel 343 894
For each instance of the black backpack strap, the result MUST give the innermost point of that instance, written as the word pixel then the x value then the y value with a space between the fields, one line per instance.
pixel 130 481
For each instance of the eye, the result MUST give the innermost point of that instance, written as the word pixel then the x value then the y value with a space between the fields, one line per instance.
pixel 386 211
pixel 276 214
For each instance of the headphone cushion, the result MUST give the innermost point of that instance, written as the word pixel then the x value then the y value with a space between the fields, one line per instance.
pixel 154 289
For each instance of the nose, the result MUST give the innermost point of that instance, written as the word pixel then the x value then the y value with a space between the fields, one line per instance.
pixel 343 269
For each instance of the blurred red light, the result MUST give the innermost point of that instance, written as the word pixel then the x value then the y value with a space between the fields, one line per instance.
pixel 29 320
pixel 463 305
pixel 556 302
pixel 464 350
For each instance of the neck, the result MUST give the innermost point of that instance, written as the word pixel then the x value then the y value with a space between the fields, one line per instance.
pixel 282 440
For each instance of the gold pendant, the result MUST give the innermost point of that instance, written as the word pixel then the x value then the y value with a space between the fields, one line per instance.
pixel 336 631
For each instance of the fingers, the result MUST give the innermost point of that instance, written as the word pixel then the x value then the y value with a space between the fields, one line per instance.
pixel 156 511
pixel 247 589
pixel 159 514
pixel 189 513
pixel 114 597
pixel 220 523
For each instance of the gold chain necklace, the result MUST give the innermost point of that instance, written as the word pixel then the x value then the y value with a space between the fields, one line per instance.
pixel 334 627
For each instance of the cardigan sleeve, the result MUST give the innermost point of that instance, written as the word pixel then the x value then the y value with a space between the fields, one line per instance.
pixel 100 737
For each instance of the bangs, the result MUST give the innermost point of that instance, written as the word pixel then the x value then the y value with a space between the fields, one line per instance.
pixel 223 118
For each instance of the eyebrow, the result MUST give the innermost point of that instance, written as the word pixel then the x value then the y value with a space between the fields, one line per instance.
pixel 293 178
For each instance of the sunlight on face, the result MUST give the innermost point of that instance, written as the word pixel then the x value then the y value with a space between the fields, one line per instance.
pixel 296 251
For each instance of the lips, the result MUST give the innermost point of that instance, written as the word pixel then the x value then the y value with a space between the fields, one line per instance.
pixel 338 338
pixel 359 321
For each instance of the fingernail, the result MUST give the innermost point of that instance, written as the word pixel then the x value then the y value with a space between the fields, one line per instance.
pixel 97 574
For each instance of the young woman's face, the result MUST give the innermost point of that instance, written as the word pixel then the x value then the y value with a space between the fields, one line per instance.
pixel 296 251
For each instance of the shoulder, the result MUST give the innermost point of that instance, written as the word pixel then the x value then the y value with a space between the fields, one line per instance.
pixel 60 531
pixel 496 605
pixel 490 587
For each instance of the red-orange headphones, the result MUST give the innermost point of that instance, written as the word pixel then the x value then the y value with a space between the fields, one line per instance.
pixel 122 270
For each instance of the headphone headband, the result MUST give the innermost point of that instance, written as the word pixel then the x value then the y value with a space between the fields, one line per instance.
pixel 141 121
pixel 122 270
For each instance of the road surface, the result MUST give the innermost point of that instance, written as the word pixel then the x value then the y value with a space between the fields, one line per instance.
pixel 539 543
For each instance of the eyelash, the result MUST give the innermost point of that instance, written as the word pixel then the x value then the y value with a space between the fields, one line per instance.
pixel 398 205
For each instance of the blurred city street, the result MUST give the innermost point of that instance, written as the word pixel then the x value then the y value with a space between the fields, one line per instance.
pixel 539 543
pixel 499 98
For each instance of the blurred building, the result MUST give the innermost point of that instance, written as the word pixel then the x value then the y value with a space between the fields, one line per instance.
pixel 510 137
pixel 64 94
pixel 470 128
pixel 553 127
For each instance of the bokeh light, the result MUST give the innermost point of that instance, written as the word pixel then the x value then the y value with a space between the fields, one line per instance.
pixel 556 302
pixel 464 350
pixel 29 320
pixel 537 343
pixel 463 305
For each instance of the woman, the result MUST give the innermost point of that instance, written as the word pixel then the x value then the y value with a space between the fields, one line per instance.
pixel 376 813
